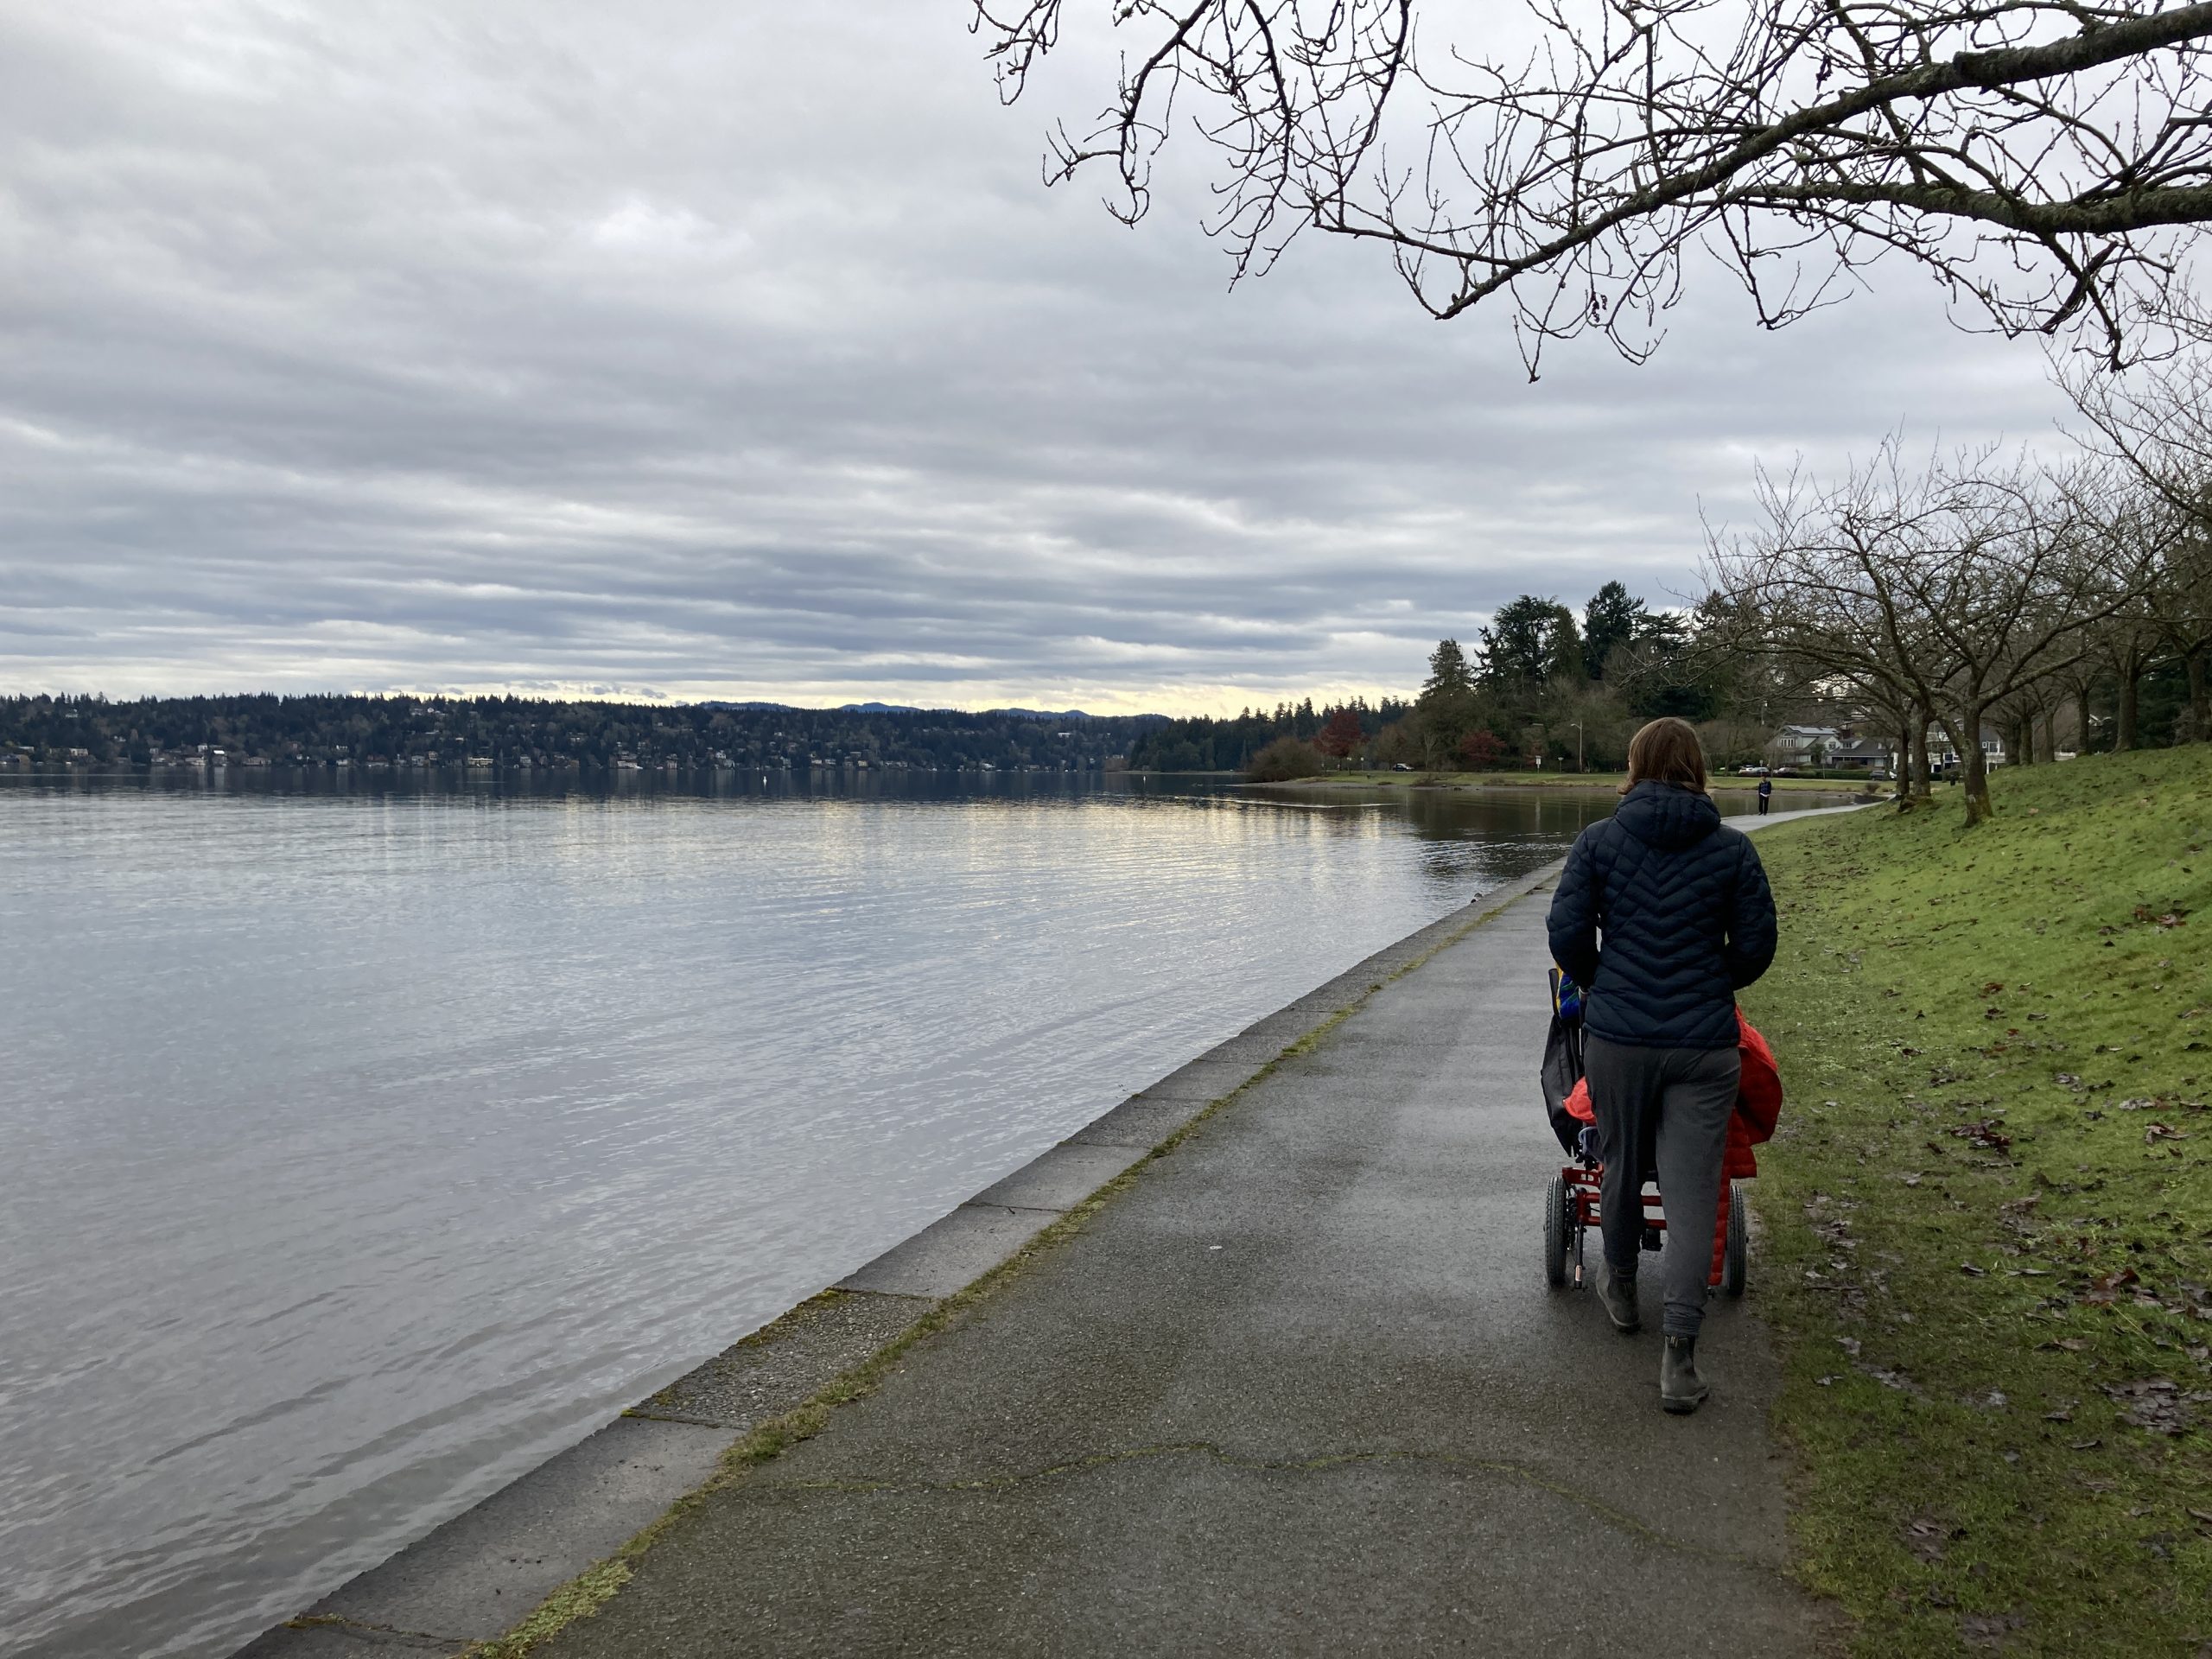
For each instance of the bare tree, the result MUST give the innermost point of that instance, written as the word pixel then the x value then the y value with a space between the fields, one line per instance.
pixel 2181 599
pixel 1959 585
pixel 2159 425
pixel 2045 159
pixel 2073 684
pixel 2123 646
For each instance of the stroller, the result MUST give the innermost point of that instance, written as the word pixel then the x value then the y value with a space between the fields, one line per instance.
pixel 1571 1204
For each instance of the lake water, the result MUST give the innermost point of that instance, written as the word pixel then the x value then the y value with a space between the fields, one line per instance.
pixel 365 1147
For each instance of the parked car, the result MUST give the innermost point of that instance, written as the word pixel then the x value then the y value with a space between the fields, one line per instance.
pixel 1880 775
pixel 1785 771
pixel 1752 771
pixel 1401 767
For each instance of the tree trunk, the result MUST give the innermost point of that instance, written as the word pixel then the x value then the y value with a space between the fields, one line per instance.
pixel 1974 767
pixel 2050 731
pixel 2130 685
pixel 2082 719
pixel 1922 788
pixel 2200 697
pixel 2024 740
pixel 1901 779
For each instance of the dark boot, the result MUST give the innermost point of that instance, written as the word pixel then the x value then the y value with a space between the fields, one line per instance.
pixel 1618 1292
pixel 1680 1388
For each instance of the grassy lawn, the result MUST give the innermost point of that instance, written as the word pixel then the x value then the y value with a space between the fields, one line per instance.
pixel 1519 780
pixel 1988 1214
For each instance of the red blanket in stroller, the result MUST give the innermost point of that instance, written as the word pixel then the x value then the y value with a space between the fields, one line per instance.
pixel 1758 1102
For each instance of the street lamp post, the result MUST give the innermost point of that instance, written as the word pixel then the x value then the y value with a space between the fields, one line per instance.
pixel 1579 767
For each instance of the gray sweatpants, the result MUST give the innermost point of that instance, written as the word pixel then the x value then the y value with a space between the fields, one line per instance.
pixel 1682 1097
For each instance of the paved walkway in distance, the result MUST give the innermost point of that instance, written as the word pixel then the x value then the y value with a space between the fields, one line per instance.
pixel 1301 1389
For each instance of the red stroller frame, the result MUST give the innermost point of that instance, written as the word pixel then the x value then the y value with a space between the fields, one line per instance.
pixel 1572 1208
pixel 1572 1204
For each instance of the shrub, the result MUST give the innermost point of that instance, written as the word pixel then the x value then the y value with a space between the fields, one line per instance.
pixel 1283 760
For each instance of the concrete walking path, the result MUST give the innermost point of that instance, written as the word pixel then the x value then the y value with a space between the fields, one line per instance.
pixel 1300 1389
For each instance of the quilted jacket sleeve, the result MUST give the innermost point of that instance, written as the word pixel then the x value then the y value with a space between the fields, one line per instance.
pixel 1751 918
pixel 1573 923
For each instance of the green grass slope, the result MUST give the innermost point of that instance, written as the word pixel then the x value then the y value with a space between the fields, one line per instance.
pixel 1988 1214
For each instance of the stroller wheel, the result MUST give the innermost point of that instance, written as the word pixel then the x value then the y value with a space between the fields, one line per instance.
pixel 1555 1233
pixel 1735 1259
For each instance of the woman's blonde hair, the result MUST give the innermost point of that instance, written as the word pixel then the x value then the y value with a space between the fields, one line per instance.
pixel 1666 750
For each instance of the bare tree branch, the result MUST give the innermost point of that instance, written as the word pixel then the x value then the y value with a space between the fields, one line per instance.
pixel 2049 161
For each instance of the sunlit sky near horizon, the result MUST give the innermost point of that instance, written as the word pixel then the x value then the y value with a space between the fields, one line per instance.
pixel 687 350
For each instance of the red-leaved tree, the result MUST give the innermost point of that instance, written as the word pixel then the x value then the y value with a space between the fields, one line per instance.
pixel 1480 749
pixel 1341 735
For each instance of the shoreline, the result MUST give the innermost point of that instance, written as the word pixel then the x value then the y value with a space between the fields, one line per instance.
pixel 559 1532
pixel 1592 783
pixel 554 1544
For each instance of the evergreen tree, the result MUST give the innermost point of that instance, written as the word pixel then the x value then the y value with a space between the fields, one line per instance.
pixel 1530 642
pixel 1611 620
pixel 1449 677
pixel 1446 708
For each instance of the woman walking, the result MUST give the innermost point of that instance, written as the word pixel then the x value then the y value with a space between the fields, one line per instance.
pixel 1662 916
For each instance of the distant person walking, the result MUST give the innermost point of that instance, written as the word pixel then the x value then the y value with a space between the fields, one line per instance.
pixel 1662 915
pixel 1766 795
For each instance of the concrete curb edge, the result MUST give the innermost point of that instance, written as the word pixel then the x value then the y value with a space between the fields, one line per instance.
pixel 480 1574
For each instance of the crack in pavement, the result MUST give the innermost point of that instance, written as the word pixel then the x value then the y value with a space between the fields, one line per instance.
pixel 1611 1516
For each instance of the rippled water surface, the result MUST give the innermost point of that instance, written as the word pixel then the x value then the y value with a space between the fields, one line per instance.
pixel 363 1148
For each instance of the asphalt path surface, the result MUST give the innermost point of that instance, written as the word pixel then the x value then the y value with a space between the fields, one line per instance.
pixel 1300 1390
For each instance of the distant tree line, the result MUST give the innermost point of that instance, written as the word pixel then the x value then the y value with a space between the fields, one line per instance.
pixel 1207 744
pixel 1544 686
pixel 517 731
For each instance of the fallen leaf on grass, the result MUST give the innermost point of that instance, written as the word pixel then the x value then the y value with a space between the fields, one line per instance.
pixel 1929 1539
pixel 2071 1344
pixel 2103 1292
pixel 2158 1132
pixel 2083 1445
pixel 2157 1405
pixel 2205 1516
pixel 1989 1629
pixel 1985 1134
pixel 1972 1271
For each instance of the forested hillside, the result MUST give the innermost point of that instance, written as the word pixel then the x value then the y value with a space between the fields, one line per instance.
pixel 527 731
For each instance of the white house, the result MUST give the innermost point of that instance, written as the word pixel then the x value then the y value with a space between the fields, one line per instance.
pixel 1941 755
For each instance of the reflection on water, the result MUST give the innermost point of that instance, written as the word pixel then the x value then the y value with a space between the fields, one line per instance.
pixel 367 1143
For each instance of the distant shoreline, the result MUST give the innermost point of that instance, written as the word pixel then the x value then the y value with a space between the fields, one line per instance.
pixel 1481 782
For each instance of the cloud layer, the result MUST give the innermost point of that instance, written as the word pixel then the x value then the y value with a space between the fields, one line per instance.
pixel 685 349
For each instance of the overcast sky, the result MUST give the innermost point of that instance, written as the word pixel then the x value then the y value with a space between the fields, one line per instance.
pixel 722 350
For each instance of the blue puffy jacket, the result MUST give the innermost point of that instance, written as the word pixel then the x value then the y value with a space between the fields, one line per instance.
pixel 1687 916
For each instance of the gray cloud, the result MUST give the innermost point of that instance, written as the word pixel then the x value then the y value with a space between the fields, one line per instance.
pixel 736 351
